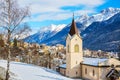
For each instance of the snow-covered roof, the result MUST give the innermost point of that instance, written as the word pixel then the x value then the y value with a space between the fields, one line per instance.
pixel 89 61
pixel 41 51
pixel 97 62
pixel 93 61
pixel 63 66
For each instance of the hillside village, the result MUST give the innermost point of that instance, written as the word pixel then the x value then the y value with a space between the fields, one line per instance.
pixel 44 55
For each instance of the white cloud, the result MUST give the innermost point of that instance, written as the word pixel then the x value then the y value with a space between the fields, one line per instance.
pixel 53 11
pixel 51 16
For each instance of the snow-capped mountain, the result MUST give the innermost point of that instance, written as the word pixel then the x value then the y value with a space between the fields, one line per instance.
pixel 60 36
pixel 103 35
pixel 105 18
pixel 102 16
pixel 52 28
pixel 44 33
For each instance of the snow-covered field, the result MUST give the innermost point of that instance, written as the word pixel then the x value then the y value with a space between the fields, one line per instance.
pixel 23 71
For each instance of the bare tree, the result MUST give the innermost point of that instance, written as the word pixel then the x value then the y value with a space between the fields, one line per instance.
pixel 22 31
pixel 11 15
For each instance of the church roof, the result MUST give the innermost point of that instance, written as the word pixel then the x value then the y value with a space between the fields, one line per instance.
pixel 101 61
pixel 96 62
pixel 63 66
pixel 93 61
pixel 73 29
pixel 88 61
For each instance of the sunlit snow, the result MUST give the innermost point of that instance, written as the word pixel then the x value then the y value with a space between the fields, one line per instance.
pixel 25 71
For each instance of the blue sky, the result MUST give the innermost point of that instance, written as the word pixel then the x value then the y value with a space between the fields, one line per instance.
pixel 47 12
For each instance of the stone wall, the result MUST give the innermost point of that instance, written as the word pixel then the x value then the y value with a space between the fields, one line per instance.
pixel 63 71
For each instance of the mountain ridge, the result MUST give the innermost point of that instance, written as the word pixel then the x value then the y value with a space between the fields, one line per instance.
pixel 105 34
pixel 83 24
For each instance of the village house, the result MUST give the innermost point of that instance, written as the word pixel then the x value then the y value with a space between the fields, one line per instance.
pixel 60 46
pixel 96 54
pixel 78 66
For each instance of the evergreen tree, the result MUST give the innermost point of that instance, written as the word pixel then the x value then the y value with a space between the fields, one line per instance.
pixel 15 42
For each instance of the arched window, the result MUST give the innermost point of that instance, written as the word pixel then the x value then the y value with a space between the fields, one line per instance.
pixel 93 72
pixel 76 48
pixel 85 70
pixel 76 72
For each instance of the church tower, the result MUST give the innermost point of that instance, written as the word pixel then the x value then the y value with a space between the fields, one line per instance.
pixel 74 54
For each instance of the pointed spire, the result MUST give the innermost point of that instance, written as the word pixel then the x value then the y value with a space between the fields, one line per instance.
pixel 73 29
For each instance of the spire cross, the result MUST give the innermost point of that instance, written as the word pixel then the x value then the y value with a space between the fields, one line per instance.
pixel 73 15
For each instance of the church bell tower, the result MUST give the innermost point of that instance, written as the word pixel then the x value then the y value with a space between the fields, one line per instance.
pixel 74 53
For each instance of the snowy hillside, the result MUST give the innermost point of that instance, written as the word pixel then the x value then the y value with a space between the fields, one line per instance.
pixel 23 71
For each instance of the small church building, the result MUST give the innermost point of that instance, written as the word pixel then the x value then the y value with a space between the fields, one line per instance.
pixel 78 66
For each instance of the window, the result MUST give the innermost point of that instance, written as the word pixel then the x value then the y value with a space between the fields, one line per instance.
pixel 112 66
pixel 76 73
pixel 85 70
pixel 76 48
pixel 93 72
pixel 68 48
